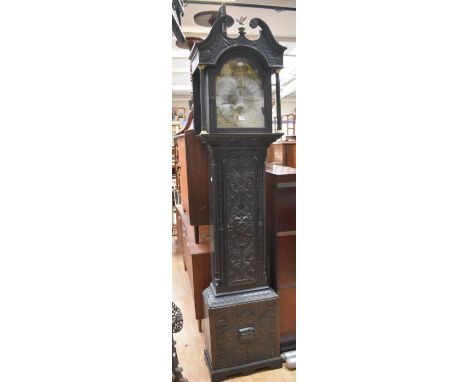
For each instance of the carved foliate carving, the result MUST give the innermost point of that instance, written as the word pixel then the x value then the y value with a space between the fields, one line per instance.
pixel 245 335
pixel 239 232
pixel 216 302
pixel 237 215
pixel 244 327
pixel 241 217
pixel 209 50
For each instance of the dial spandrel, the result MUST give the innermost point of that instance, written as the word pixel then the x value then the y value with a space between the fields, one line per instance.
pixel 239 96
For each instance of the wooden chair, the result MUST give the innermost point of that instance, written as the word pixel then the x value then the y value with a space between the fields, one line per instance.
pixel 291 125
pixel 284 125
pixel 180 113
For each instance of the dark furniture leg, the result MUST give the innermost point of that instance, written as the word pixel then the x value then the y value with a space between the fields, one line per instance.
pixel 197 234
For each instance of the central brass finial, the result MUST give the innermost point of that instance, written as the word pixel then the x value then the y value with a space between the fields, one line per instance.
pixel 241 23
pixel 241 20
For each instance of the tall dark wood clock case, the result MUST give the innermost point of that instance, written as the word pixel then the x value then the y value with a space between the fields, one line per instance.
pixel 232 115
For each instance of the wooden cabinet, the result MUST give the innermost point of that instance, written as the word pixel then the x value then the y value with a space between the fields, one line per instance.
pixel 282 153
pixel 193 213
pixel 196 257
pixel 281 245
pixel 192 168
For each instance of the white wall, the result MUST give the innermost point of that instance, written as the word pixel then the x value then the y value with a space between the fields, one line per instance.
pixel 182 103
pixel 288 106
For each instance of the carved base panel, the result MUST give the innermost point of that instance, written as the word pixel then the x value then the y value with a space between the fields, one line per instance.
pixel 241 332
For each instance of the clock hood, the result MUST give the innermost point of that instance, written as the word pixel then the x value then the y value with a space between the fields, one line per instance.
pixel 209 51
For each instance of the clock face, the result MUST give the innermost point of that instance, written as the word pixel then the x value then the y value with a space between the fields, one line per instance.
pixel 239 96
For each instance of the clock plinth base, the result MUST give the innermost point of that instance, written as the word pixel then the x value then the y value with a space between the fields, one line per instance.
pixel 222 374
pixel 241 332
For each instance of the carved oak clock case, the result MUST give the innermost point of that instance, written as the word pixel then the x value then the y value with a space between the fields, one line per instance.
pixel 232 115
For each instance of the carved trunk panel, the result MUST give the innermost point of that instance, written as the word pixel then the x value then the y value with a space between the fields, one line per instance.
pixel 241 206
pixel 237 199
pixel 238 219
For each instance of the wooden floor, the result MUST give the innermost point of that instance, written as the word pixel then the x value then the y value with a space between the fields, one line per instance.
pixel 190 343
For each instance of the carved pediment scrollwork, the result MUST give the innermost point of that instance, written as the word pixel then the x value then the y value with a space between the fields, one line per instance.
pixel 218 42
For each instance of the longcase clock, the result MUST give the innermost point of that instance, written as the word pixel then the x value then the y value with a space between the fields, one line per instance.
pixel 233 117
